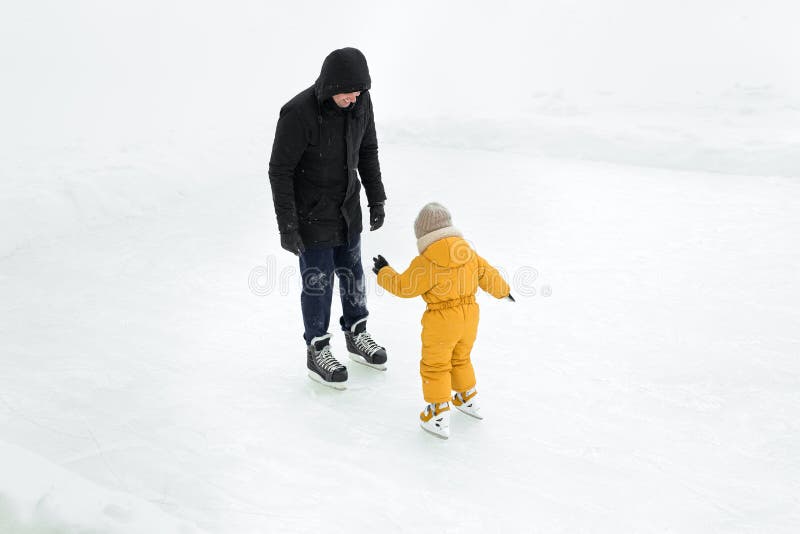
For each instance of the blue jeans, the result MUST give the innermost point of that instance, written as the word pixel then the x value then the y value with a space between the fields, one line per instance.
pixel 317 268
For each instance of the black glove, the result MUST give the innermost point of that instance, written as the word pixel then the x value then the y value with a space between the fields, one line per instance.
pixel 292 242
pixel 512 299
pixel 380 263
pixel 376 216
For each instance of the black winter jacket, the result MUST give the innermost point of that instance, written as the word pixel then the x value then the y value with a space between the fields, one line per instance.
pixel 317 149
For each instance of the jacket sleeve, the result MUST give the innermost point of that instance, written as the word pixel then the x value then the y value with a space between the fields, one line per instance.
pixel 368 166
pixel 489 280
pixel 415 281
pixel 287 149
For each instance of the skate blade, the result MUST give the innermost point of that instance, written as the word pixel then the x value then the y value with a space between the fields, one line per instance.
pixel 471 414
pixel 360 359
pixel 433 432
pixel 333 385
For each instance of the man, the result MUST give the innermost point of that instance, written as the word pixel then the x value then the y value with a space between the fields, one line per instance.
pixel 324 135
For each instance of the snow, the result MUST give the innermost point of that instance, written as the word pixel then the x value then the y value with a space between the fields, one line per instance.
pixel 48 498
pixel 152 374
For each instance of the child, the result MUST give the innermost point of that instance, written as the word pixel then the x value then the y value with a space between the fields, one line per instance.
pixel 447 274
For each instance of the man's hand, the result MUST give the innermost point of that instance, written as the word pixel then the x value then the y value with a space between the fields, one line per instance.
pixel 292 242
pixel 380 262
pixel 376 216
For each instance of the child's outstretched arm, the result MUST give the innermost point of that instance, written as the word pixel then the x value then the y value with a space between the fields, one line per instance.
pixel 489 280
pixel 415 281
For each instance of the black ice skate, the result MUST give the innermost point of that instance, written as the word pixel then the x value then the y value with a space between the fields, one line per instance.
pixel 322 366
pixel 362 347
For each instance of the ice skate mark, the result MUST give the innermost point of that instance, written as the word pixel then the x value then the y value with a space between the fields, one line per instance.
pixel 670 470
pixel 104 459
pixel 5 403
pixel 20 247
pixel 33 421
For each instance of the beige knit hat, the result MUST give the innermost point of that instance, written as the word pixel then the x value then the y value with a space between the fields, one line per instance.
pixel 432 224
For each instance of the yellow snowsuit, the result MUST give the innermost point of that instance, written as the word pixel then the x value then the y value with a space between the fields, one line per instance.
pixel 447 274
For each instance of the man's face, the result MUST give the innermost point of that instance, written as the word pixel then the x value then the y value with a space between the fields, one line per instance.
pixel 344 100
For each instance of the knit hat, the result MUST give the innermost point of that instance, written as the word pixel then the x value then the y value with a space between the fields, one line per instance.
pixel 432 224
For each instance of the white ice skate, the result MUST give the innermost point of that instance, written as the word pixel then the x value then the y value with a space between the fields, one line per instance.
pixel 435 419
pixel 466 402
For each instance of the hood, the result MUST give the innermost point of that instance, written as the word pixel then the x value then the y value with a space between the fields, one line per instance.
pixel 449 252
pixel 343 71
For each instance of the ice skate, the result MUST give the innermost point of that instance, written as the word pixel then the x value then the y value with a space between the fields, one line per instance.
pixel 466 402
pixel 435 419
pixel 322 366
pixel 362 347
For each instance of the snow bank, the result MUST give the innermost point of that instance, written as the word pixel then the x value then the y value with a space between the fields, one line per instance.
pixel 53 189
pixel 743 131
pixel 37 496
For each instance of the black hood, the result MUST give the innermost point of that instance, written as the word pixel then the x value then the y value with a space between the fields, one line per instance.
pixel 343 71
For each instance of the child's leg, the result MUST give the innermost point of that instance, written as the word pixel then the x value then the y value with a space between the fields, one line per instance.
pixel 463 375
pixel 438 341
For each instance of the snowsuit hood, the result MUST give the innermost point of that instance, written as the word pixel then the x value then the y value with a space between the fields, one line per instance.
pixel 449 270
pixel 449 252
pixel 343 71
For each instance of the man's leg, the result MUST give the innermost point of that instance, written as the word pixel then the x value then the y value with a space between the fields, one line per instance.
pixel 352 287
pixel 316 272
